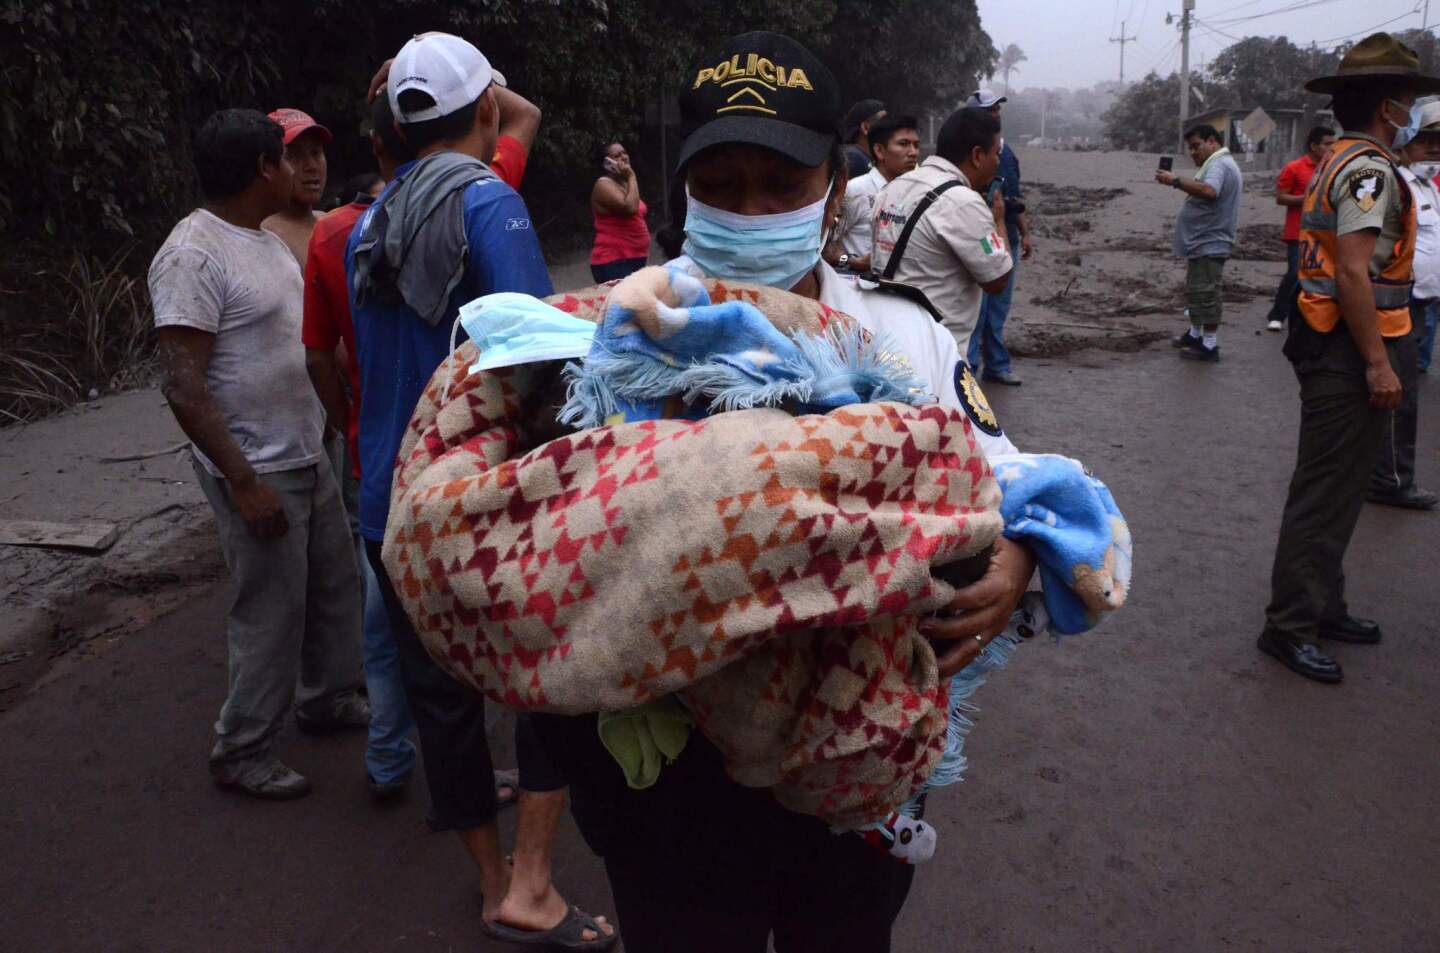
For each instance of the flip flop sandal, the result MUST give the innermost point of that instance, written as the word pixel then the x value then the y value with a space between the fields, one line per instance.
pixel 506 780
pixel 566 935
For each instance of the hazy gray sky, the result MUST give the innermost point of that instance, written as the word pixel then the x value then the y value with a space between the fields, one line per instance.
pixel 1067 41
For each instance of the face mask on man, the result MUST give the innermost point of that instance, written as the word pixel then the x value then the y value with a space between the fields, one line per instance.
pixel 1403 134
pixel 1425 171
pixel 776 250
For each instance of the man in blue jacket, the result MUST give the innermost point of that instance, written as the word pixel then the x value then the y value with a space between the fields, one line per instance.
pixel 987 344
pixel 447 230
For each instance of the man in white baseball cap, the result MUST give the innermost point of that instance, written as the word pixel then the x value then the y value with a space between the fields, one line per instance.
pixel 448 229
pixel 446 68
pixel 985 99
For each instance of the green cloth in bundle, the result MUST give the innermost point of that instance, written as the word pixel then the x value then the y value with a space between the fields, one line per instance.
pixel 638 738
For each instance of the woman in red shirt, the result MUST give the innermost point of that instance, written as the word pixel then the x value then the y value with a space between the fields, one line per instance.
pixel 622 239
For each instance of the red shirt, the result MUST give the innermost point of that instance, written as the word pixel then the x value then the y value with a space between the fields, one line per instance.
pixel 1293 180
pixel 618 237
pixel 326 322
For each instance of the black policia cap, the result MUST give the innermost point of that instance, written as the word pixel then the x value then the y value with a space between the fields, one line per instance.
pixel 763 89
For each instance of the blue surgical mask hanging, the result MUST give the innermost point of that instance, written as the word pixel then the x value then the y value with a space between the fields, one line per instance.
pixel 776 250
pixel 1404 134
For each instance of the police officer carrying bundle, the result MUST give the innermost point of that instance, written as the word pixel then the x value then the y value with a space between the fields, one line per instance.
pixel 1350 333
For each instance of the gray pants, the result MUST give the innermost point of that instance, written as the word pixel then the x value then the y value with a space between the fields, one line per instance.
pixel 294 624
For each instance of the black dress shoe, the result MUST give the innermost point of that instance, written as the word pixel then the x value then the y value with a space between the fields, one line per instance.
pixel 1351 629
pixel 1410 498
pixel 1201 353
pixel 1186 339
pixel 1301 658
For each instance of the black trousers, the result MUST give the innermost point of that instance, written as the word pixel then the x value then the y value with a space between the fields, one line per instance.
pixel 1280 310
pixel 1340 440
pixel 1396 469
pixel 701 864
pixel 619 268
pixel 450 720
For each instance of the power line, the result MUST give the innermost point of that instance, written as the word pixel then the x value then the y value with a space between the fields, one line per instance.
pixel 1238 6
pixel 1213 31
pixel 1165 54
pixel 1409 13
pixel 1289 8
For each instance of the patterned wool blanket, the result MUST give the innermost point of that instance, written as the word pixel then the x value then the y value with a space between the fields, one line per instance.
pixel 770 569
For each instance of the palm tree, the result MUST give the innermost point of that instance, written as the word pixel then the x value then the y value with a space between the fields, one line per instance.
pixel 1010 59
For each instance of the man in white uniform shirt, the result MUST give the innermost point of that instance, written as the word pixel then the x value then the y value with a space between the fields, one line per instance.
pixel 934 230
pixel 1393 482
pixel 894 150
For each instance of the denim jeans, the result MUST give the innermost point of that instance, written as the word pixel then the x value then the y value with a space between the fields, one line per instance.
pixel 988 341
pixel 390 755
pixel 1426 331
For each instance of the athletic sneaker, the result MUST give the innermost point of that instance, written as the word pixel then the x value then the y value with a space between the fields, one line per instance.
pixel 1274 326
pixel 1201 353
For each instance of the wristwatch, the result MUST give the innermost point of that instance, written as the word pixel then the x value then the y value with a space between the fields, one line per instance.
pixel 1175 184
pixel 844 263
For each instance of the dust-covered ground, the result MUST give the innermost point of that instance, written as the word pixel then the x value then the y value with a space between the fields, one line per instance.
pixel 1103 275
pixel 1155 785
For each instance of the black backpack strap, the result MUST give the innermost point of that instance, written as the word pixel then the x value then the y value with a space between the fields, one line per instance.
pixel 908 292
pixel 904 239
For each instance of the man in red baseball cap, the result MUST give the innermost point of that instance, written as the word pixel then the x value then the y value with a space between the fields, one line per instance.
pixel 305 141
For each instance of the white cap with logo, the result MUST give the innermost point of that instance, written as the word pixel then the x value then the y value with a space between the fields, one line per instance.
pixel 450 70
pixel 984 98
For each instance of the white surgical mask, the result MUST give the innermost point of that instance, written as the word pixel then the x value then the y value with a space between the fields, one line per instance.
pixel 776 250
pixel 1425 171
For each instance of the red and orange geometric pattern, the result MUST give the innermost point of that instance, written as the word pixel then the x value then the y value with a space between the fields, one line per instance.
pixel 770 569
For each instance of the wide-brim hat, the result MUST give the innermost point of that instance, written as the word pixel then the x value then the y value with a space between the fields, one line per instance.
pixel 1378 56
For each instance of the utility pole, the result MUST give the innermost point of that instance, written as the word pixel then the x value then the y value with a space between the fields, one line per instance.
pixel 1185 7
pixel 1122 39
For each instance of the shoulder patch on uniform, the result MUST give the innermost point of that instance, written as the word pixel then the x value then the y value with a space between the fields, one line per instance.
pixel 972 398
pixel 1365 187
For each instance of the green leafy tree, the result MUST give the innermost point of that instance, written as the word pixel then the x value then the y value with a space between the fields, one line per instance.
pixel 100 99
pixel 1144 117
pixel 1269 72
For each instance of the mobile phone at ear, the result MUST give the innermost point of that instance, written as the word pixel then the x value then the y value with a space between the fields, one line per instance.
pixel 1167 163
pixel 610 165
